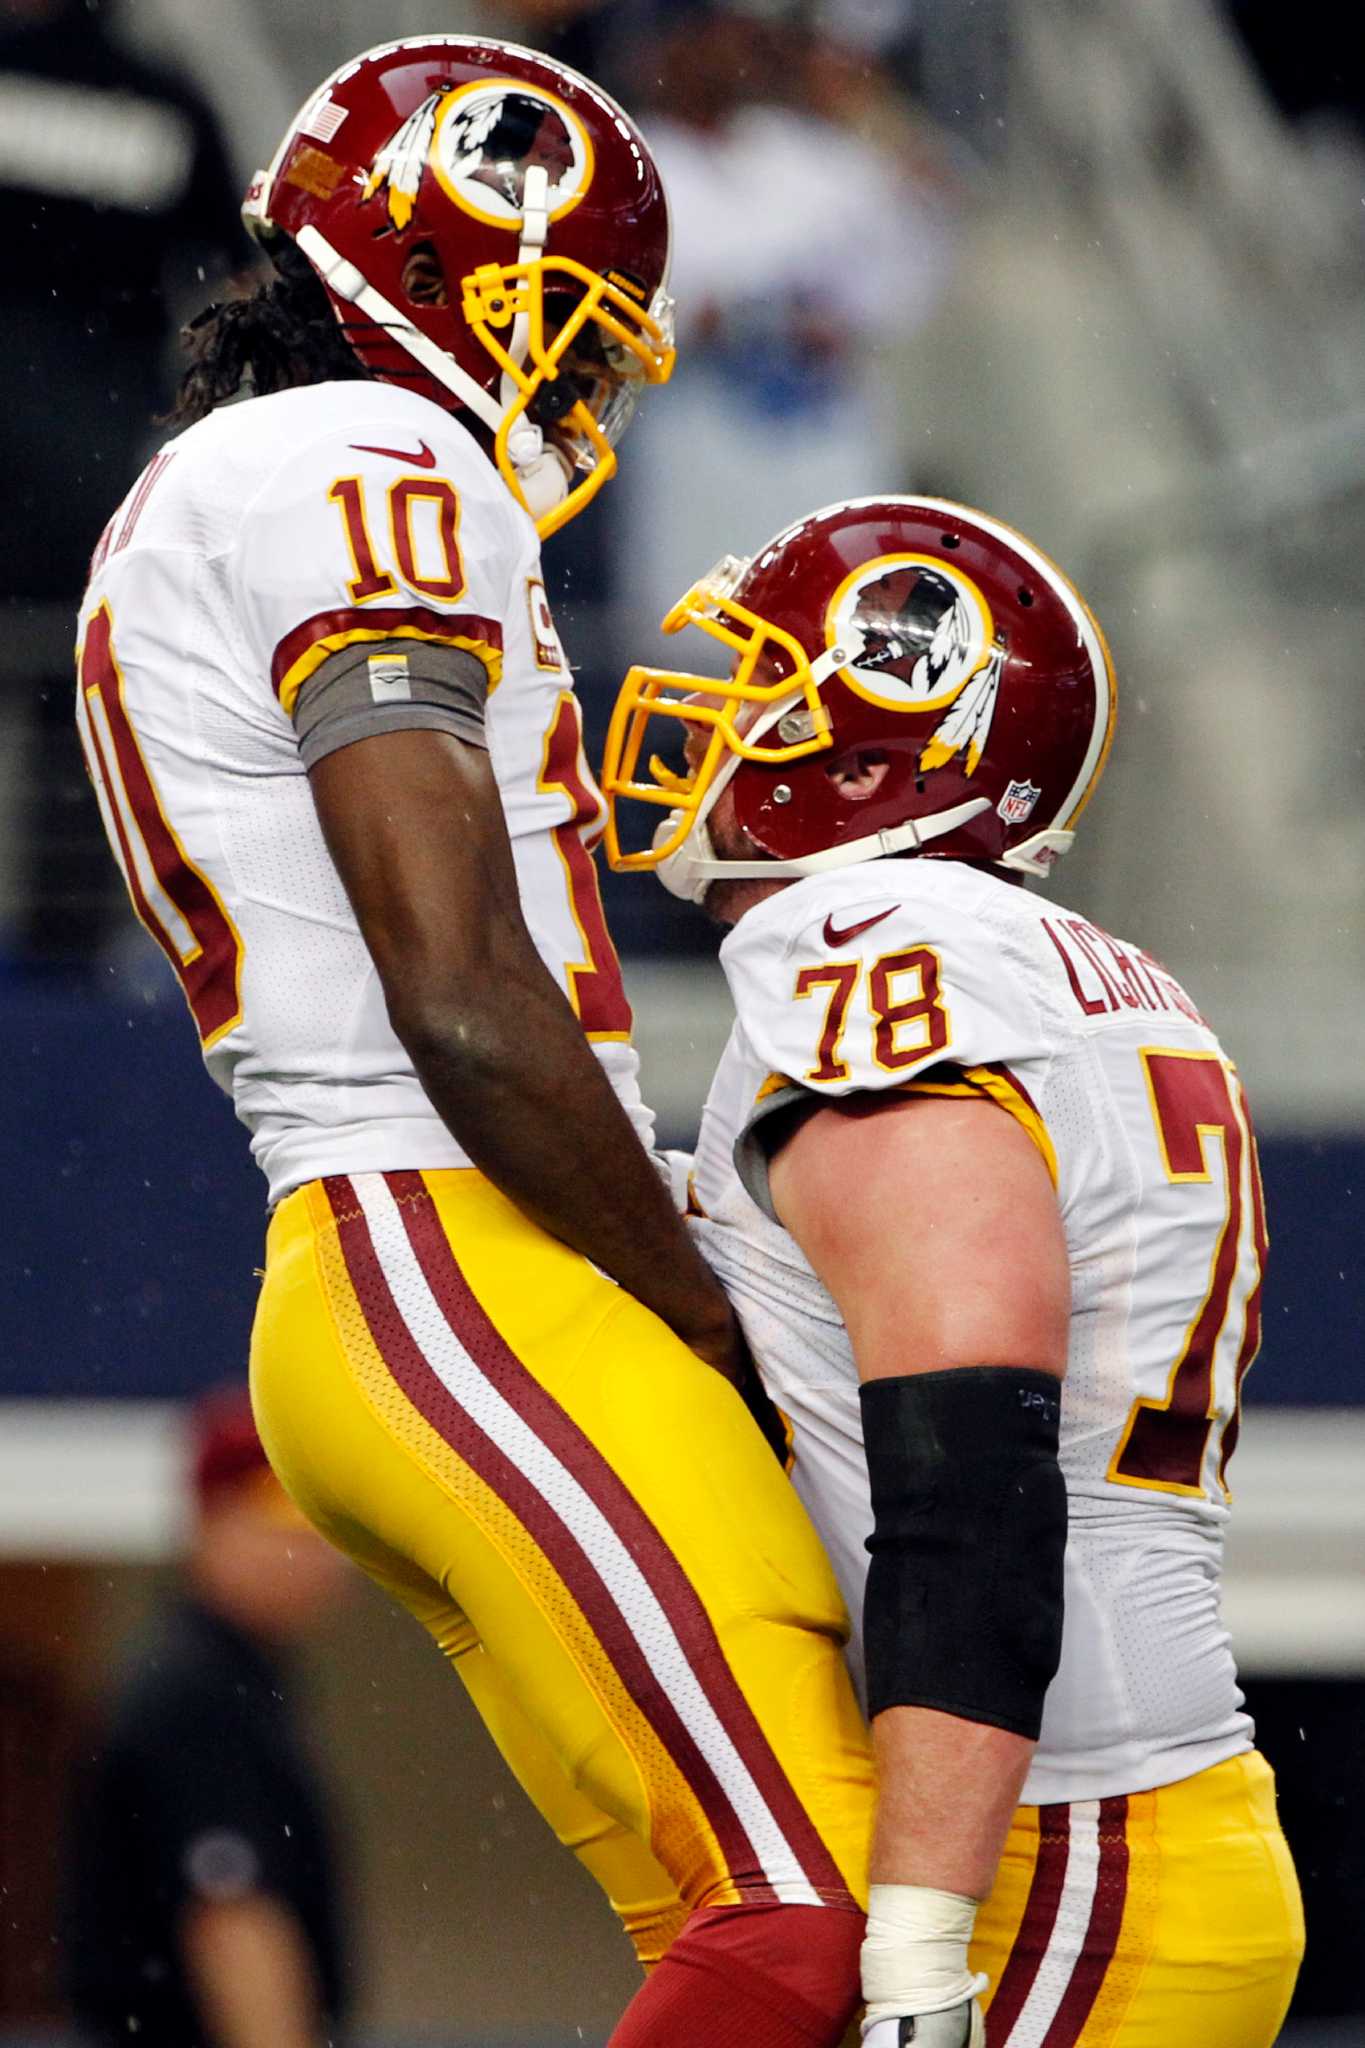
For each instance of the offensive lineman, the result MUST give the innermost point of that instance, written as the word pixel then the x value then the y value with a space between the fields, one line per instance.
pixel 983 1189
pixel 339 759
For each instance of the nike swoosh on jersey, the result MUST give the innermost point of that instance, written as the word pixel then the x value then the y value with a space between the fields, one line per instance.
pixel 834 937
pixel 423 459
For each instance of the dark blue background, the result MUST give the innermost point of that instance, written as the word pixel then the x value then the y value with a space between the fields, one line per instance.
pixel 134 1218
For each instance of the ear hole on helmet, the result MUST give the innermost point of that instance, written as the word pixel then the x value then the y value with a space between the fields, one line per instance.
pixel 949 540
pixel 553 400
pixel 1025 595
pixel 860 774
pixel 424 278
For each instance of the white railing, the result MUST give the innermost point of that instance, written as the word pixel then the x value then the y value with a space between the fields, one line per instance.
pixel 104 1482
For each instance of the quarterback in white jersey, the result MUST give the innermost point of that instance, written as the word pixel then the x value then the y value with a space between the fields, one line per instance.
pixel 339 759
pixel 1009 1348
pixel 288 577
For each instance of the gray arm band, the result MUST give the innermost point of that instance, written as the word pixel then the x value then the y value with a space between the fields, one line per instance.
pixel 390 686
pixel 963 1610
pixel 771 1122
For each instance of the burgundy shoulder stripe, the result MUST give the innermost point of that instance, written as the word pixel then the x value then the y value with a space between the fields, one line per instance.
pixel 428 625
pixel 1035 1929
pixel 676 1595
pixel 1102 1933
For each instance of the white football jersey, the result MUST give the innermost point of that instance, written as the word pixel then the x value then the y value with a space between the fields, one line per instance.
pixel 253 549
pixel 932 975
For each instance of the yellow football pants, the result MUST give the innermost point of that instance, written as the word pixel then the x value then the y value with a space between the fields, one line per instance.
pixel 588 1523
pixel 1170 1919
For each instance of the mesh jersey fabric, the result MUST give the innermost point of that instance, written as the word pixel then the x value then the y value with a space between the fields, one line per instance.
pixel 990 988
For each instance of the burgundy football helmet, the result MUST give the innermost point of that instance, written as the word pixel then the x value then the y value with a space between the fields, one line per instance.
pixel 532 186
pixel 912 629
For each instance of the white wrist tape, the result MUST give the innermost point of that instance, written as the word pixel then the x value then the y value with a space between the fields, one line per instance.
pixel 675 1170
pixel 915 1951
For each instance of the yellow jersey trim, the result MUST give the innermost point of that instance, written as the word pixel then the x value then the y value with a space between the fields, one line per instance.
pixel 332 643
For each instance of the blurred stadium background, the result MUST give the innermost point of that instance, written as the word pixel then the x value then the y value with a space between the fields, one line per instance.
pixel 1096 265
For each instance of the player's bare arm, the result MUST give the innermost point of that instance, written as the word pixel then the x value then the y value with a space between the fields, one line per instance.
pixel 933 1223
pixel 414 823
pixel 253 1973
pixel 979 1279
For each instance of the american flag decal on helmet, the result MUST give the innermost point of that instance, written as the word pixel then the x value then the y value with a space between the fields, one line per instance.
pixel 323 120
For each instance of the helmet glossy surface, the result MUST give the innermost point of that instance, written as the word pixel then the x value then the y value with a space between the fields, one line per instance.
pixel 547 213
pixel 911 630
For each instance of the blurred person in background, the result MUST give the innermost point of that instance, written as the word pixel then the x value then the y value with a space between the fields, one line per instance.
pixel 114 189
pixel 340 760
pixel 202 1885
pixel 814 226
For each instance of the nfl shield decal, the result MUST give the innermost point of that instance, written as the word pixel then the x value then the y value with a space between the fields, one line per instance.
pixel 1016 805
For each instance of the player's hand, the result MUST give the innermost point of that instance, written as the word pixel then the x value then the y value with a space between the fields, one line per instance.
pixel 767 1415
pixel 718 1339
pixel 736 1364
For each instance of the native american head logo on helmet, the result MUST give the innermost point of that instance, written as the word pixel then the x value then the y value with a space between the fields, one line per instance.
pixel 496 142
pixel 480 142
pixel 911 632
pixel 919 630
pixel 926 642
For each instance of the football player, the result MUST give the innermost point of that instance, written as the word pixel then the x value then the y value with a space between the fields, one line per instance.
pixel 983 1188
pixel 338 752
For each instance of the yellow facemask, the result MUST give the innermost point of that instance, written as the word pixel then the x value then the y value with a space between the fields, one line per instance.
pixel 634 349
pixel 723 711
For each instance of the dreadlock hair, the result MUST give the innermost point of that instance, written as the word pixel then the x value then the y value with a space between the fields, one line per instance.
pixel 282 333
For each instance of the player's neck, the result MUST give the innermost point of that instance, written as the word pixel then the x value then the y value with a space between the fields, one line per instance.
pixel 726 902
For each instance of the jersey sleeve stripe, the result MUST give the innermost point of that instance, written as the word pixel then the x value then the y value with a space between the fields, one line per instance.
pixel 1001 1086
pixel 309 645
pixel 995 1080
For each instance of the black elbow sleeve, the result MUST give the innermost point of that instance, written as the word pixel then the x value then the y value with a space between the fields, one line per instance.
pixel 963 1609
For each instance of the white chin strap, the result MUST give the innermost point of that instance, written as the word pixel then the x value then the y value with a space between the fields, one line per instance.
pixel 543 474
pixel 690 871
